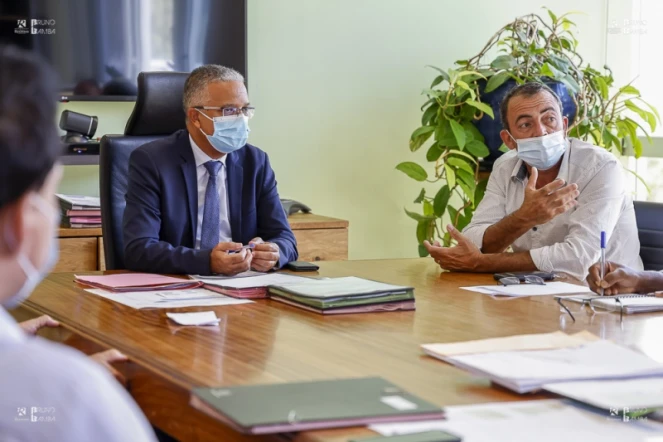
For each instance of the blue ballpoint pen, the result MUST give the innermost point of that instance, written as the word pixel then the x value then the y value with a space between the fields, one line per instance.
pixel 602 260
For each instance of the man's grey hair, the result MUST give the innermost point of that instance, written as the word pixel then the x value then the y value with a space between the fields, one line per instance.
pixel 195 87
pixel 527 90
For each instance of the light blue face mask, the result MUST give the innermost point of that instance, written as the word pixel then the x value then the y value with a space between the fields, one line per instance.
pixel 34 276
pixel 230 133
pixel 542 152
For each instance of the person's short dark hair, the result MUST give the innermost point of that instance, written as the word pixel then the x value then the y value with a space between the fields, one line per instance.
pixel 527 90
pixel 29 142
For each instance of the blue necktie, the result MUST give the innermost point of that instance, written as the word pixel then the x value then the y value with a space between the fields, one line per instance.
pixel 209 235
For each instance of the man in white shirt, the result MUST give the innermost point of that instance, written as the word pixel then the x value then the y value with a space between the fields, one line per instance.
pixel 548 199
pixel 48 392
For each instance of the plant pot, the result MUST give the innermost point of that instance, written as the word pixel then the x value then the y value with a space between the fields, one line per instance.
pixel 490 128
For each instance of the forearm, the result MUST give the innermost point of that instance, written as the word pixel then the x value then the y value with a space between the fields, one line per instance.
pixel 502 234
pixel 649 281
pixel 505 262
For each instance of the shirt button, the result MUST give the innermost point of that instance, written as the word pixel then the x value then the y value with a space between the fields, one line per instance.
pixel 534 228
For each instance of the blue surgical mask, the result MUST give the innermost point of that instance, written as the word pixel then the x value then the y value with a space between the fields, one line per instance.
pixel 542 152
pixel 34 276
pixel 230 133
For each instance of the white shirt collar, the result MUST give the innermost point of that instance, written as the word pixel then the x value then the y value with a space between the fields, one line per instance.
pixel 201 157
pixel 9 329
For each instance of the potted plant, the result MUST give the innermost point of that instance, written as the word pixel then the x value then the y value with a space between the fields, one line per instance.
pixel 460 123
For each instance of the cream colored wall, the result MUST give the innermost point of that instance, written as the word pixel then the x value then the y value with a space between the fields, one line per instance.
pixel 337 84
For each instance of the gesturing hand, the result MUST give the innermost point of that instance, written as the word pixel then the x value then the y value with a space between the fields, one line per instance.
pixel 464 257
pixel 542 205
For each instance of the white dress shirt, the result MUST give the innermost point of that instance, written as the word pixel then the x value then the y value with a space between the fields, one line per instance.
pixel 202 175
pixel 570 242
pixel 50 392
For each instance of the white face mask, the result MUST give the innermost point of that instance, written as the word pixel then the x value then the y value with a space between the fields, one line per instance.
pixel 34 276
pixel 542 152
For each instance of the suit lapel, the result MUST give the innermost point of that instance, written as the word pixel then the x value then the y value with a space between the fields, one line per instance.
pixel 191 182
pixel 234 181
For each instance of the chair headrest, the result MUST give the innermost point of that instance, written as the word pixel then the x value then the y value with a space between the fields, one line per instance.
pixel 158 109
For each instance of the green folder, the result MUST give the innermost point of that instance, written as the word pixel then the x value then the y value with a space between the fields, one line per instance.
pixel 341 292
pixel 279 408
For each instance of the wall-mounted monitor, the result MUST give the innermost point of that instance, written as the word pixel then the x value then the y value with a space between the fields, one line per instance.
pixel 98 47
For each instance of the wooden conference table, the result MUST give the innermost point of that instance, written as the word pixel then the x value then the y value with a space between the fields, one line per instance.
pixel 269 342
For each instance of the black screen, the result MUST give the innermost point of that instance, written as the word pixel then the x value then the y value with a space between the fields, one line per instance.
pixel 98 47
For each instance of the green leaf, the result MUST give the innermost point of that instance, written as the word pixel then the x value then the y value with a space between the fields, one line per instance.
pixel 464 155
pixel 444 135
pixel 428 208
pixel 480 192
pixel 652 108
pixel 459 164
pixel 418 217
pixel 550 71
pixel 504 148
pixel 603 87
pixel 477 148
pixel 419 137
pixel 471 132
pixel 467 178
pixel 467 87
pixel 423 252
pixel 441 200
pixel 434 153
pixel 483 107
pixel 439 79
pixel 427 119
pixel 630 90
pixel 571 84
pixel 442 73
pixel 552 16
pixel 459 133
pixel 504 62
pixel 421 196
pixel 647 116
pixel 422 231
pixel 453 214
pixel 433 92
pixel 496 81
pixel 413 170
pixel 451 176
pixel 467 190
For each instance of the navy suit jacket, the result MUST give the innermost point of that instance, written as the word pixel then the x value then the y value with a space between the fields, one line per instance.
pixel 160 218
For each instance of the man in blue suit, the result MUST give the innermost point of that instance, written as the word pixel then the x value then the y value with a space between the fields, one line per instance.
pixel 194 198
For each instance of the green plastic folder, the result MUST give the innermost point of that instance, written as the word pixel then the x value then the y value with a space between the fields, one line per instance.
pixel 278 408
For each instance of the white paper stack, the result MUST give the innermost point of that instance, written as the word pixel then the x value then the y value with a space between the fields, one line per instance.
pixel 526 371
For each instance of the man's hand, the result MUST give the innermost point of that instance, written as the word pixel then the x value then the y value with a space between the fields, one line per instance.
pixel 618 279
pixel 464 257
pixel 32 326
pixel 105 358
pixel 230 263
pixel 544 204
pixel 265 255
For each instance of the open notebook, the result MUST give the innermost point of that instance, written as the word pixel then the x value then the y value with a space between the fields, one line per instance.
pixel 630 303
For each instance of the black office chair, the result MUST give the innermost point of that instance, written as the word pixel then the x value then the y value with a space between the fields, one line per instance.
pixel 158 113
pixel 649 218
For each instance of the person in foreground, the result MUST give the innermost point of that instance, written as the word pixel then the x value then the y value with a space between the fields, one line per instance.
pixel 49 392
pixel 548 199
pixel 620 279
pixel 194 198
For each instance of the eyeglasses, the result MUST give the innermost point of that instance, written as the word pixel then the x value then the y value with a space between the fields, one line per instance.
pixel 579 304
pixel 230 111
pixel 529 279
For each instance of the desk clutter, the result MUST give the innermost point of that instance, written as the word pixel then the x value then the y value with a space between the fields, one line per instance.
pixel 79 212
pixel 325 295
